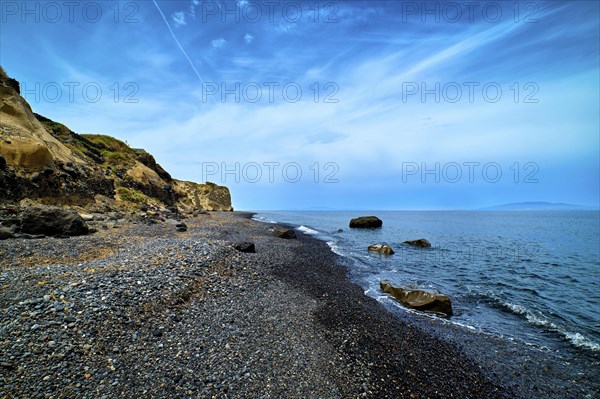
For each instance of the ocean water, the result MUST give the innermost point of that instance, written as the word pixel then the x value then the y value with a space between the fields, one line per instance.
pixel 527 276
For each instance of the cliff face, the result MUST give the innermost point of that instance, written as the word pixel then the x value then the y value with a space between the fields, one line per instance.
pixel 45 162
pixel 207 196
pixel 25 142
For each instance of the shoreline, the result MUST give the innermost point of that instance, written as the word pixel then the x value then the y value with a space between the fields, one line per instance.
pixel 143 310
pixel 526 370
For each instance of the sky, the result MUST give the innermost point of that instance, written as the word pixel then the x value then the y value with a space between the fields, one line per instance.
pixel 329 105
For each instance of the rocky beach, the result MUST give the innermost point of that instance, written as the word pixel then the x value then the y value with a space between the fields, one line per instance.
pixel 119 281
pixel 145 310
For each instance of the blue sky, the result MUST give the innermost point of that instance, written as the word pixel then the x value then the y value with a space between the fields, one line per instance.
pixel 334 105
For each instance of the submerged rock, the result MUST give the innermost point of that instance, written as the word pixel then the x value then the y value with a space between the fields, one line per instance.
pixel 381 248
pixel 366 222
pixel 421 243
pixel 419 299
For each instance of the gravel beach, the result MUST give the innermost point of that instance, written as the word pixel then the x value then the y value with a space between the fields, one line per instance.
pixel 145 311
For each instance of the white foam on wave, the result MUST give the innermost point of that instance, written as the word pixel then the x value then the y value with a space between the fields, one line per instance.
pixel 577 339
pixel 582 342
pixel 516 309
pixel 307 230
pixel 263 219
pixel 335 248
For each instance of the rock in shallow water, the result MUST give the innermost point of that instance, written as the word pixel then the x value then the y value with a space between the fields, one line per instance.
pixel 419 299
pixel 421 243
pixel 381 248
pixel 366 222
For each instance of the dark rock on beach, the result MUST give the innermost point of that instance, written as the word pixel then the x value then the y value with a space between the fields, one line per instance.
pixel 284 233
pixel 245 246
pixel 52 221
pixel 180 226
pixel 366 222
pixel 419 299
pixel 421 243
pixel 6 233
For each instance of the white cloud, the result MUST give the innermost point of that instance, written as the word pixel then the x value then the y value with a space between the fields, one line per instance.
pixel 193 6
pixel 178 18
pixel 242 3
pixel 285 27
pixel 371 131
pixel 218 43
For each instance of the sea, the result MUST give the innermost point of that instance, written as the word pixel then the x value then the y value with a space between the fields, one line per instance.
pixel 528 276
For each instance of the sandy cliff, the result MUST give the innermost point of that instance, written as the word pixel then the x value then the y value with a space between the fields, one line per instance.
pixel 43 161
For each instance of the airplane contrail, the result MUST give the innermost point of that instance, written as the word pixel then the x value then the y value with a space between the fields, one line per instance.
pixel 181 47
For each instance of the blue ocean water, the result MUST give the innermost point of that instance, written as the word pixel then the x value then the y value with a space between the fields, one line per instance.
pixel 531 276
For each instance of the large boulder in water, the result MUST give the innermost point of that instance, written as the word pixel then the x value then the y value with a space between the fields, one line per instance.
pixel 366 222
pixel 52 221
pixel 381 248
pixel 421 243
pixel 419 299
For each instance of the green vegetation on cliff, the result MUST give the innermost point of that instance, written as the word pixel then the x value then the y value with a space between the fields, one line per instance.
pixel 131 195
pixel 114 151
pixel 77 143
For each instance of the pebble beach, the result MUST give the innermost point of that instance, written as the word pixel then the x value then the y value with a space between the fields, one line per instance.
pixel 141 310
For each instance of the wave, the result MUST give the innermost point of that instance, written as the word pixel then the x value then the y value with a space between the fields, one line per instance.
pixel 335 248
pixel 538 319
pixel 263 219
pixel 307 230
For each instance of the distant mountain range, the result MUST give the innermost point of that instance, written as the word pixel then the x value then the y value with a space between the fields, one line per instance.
pixel 538 206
